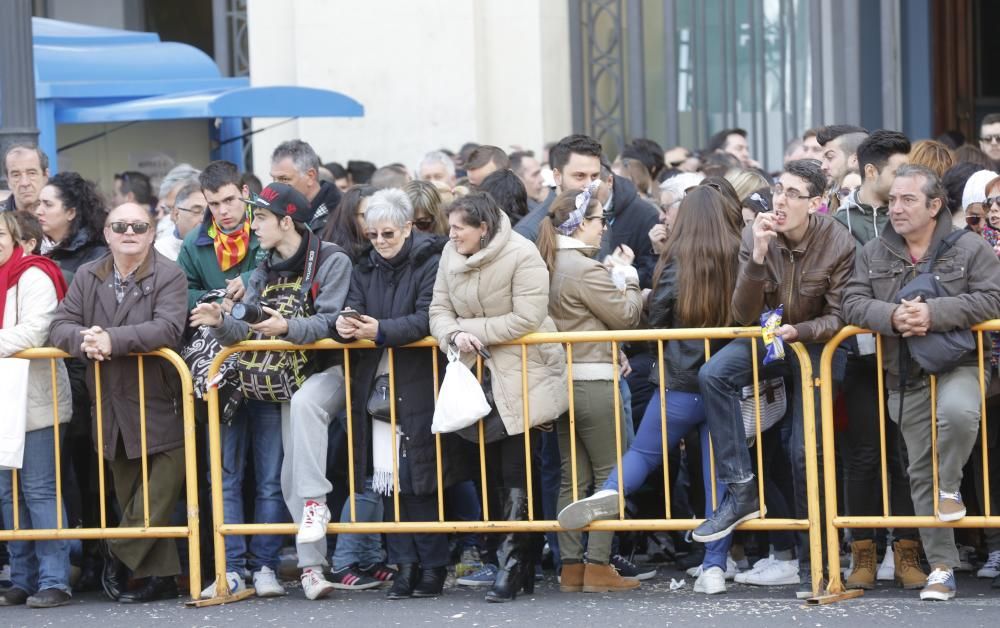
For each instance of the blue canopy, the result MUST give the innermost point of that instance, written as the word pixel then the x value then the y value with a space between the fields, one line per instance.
pixel 89 74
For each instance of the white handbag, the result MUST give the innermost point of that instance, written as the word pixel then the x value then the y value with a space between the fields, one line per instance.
pixel 14 392
pixel 772 406
pixel 461 401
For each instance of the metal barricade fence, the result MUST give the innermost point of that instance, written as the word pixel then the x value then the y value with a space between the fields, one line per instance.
pixel 811 524
pixel 189 531
pixel 834 521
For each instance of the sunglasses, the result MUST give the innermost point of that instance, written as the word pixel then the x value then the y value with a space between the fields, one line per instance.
pixel 972 221
pixel 990 139
pixel 843 193
pixel 385 235
pixel 138 228
pixel 423 223
pixel 991 200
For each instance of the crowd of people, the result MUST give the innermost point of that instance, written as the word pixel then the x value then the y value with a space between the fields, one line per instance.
pixel 478 248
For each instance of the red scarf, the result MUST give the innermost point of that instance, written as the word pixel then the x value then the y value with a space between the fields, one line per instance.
pixel 11 271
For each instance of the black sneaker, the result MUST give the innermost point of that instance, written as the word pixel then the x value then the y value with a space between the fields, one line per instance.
pixel 380 571
pixel 739 504
pixel 628 569
pixel 350 579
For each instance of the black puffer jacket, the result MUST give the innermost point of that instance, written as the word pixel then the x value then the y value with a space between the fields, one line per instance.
pixel 397 293
pixel 79 250
pixel 681 358
pixel 630 220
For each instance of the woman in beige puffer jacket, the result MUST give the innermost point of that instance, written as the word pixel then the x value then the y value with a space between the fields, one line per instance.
pixel 493 287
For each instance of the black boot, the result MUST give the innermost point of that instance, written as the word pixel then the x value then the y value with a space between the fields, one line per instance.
pixel 113 578
pixel 405 582
pixel 153 589
pixel 739 504
pixel 431 582
pixel 514 568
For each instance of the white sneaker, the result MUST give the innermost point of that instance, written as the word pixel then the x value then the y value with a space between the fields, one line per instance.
pixel 233 579
pixel 991 568
pixel 265 583
pixel 315 517
pixel 887 570
pixel 314 585
pixel 775 573
pixel 579 514
pixel 757 567
pixel 711 581
pixel 731 571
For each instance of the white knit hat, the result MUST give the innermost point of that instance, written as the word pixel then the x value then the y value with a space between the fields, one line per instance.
pixel 975 188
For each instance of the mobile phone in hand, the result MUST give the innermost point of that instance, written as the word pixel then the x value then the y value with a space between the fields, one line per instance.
pixel 351 314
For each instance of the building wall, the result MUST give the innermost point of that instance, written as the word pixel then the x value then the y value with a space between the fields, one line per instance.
pixel 430 74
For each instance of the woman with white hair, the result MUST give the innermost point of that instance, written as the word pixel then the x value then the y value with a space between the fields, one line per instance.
pixel 672 192
pixel 391 290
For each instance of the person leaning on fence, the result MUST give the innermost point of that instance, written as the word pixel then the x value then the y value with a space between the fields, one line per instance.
pixel 802 260
pixel 30 289
pixel 300 287
pixel 133 301
pixel 703 243
pixel 585 296
pixel 492 287
pixel 391 291
pixel 968 274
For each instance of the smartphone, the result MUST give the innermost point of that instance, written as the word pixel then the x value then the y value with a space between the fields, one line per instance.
pixel 486 354
pixel 351 314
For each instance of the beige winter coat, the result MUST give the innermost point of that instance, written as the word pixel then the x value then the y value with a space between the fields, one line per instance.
pixel 499 294
pixel 29 310
pixel 583 297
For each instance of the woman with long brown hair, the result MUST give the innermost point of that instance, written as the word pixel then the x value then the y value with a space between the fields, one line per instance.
pixel 694 279
pixel 584 296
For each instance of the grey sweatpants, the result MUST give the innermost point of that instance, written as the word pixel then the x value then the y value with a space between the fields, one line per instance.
pixel 958 403
pixel 304 434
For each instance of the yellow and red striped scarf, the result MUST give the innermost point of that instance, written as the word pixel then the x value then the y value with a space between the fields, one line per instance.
pixel 230 248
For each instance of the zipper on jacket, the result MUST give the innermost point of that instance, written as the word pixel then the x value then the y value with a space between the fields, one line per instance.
pixel 791 285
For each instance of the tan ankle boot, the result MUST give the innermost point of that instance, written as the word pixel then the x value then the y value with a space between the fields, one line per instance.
pixel 604 578
pixel 863 575
pixel 909 575
pixel 571 578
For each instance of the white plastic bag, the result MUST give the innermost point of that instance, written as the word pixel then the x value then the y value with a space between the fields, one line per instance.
pixel 461 401
pixel 14 392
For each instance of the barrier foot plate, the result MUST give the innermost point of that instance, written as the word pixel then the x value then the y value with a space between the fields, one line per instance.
pixel 829 598
pixel 218 601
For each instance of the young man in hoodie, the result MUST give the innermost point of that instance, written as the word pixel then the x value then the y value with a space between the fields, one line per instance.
pixel 306 282
pixel 295 163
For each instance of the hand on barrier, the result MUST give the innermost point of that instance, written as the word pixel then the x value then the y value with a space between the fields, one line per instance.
pixel 96 344
pixel 912 318
pixel 207 314
pixel 466 342
pixel 788 333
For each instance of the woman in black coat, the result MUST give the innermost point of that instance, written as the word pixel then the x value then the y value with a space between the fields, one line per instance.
pixel 391 289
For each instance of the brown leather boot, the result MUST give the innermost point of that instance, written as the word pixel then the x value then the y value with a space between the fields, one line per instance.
pixel 906 554
pixel 863 574
pixel 571 578
pixel 604 578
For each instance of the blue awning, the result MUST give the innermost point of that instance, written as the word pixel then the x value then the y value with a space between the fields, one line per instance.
pixel 239 102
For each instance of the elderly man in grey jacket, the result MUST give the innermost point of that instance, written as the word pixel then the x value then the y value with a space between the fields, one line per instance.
pixel 968 273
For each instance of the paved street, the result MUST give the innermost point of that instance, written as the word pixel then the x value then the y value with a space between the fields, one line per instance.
pixel 653 605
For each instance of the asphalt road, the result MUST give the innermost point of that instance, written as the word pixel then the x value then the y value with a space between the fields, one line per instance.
pixel 654 604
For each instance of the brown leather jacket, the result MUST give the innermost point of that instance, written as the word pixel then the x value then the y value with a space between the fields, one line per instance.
pixel 808 279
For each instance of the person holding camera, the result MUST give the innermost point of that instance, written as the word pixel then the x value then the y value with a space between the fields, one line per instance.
pixel 295 294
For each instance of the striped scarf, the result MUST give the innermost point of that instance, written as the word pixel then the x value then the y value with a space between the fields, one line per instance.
pixel 230 248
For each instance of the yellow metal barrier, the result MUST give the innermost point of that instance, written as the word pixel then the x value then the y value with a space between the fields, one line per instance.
pixel 834 521
pixel 812 523
pixel 189 531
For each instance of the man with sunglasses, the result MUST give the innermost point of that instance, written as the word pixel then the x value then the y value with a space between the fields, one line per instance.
pixel 133 301
pixel 801 260
pixel 989 136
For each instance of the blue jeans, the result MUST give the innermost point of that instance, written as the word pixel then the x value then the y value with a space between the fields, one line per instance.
pixel 685 412
pixel 36 565
pixel 461 502
pixel 722 378
pixel 256 425
pixel 361 549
